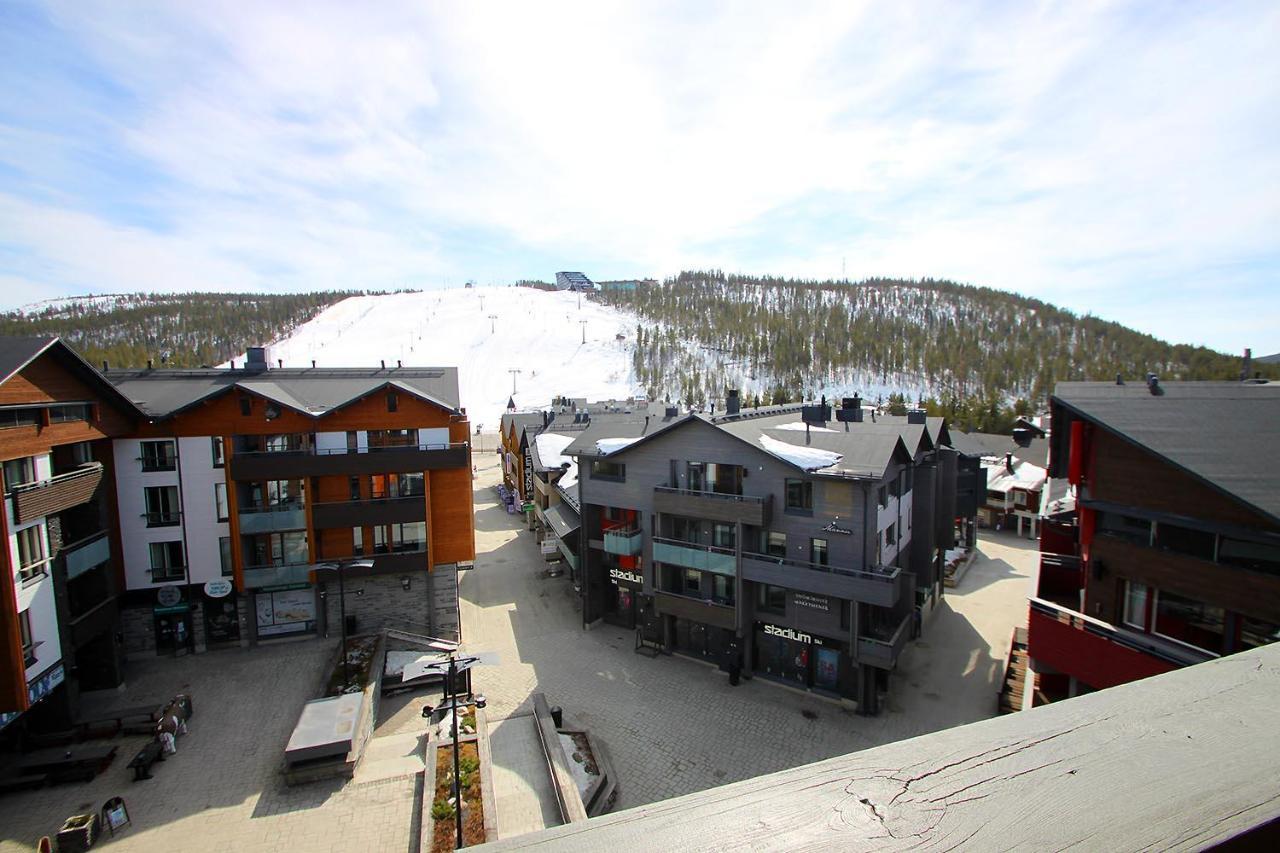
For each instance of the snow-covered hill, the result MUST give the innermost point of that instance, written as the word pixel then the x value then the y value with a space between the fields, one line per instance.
pixel 486 332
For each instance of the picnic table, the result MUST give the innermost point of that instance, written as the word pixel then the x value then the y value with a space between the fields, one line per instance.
pixel 79 764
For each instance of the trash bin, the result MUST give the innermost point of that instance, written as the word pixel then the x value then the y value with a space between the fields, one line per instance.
pixel 557 715
pixel 735 674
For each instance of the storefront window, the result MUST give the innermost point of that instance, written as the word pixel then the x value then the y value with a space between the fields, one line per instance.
pixel 826 669
pixel 782 658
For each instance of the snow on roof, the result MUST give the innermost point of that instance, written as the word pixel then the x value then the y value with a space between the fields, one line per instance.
pixel 808 458
pixel 610 445
pixel 551 447
pixel 801 425
pixel 1024 476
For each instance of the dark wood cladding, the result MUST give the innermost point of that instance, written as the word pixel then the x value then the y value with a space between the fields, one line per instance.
pixel 1122 473
pixel 394 564
pixel 55 495
pixel 1240 590
pixel 885 654
pixel 368 513
pixel 696 610
pixel 726 508
pixel 101 618
pixel 881 592
pixel 283 466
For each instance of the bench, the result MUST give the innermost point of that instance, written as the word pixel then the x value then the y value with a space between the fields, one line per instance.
pixel 148 755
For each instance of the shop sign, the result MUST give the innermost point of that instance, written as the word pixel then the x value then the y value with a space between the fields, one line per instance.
pixel 37 689
pixel 286 611
pixel 181 607
pixel 629 577
pixel 168 596
pixel 219 588
pixel 835 527
pixel 528 472
pixel 547 546
pixel 814 602
pixel 791 634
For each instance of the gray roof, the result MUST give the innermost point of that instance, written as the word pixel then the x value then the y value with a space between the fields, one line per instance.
pixel 17 353
pixel 311 391
pixel 618 426
pixel 991 444
pixel 1224 433
pixel 867 448
pixel 563 519
pixel 522 420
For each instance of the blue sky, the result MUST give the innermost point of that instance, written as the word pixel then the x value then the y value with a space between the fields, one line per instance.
pixel 1114 158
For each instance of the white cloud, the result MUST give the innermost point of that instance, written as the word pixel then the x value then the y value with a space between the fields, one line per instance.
pixel 1067 151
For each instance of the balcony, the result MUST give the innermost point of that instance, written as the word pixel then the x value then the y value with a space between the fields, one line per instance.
pixel 51 496
pixel 624 543
pixel 260 576
pixel 310 462
pixel 707 558
pixel 1098 653
pixel 79 557
pixel 695 609
pixel 883 586
pixel 713 506
pixel 882 649
pixel 271 519
pixel 368 513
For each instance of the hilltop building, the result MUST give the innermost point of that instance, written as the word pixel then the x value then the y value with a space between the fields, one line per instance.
pixel 1172 553
pixel 574 281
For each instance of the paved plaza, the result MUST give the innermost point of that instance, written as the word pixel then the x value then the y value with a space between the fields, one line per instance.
pixel 671 725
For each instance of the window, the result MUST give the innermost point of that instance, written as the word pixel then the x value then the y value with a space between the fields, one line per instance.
pixel 1188 621
pixel 20 417
pixel 281 549
pixel 218 451
pixel 882 497
pixel 724 479
pixel 166 560
pixel 692 582
pixel 1135 530
pixel 357 541
pixel 818 551
pixel 722 536
pixel 353 441
pixel 1250 555
pixel 392 438
pixel 776 544
pixel 685 529
pixel 31 552
pixel 224 556
pixel 284 493
pixel 1135 605
pixel 1184 540
pixel 18 472
pixel 353 485
pixel 70 412
pixel 162 505
pixel 158 456
pixel 246 406
pixel 413 536
pixel 1255 632
pixel 81 452
pixel 28 642
pixel 890 536
pixel 1019 498
pixel 800 495
pixel 220 500
pixel 410 536
pixel 697 477
pixel 722 590
pixel 771 599
pixel 392 402
pixel 604 469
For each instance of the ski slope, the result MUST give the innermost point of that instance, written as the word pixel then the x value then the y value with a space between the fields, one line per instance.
pixel 485 332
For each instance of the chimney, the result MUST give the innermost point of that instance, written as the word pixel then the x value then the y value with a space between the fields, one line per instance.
pixel 1119 379
pixel 1153 385
pixel 732 402
pixel 1008 462
pixel 873 415
pixel 916 416
pixel 313 364
pixel 280 363
pixel 672 412
pixel 384 364
pixel 398 363
pixel 255 360
pixel 148 364
pixel 233 365
pixel 105 366
pixel 1247 369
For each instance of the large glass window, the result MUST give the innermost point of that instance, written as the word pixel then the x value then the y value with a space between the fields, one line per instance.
pixel 771 599
pixel 722 590
pixel 31 551
pixel 604 469
pixel 800 495
pixel 1135 605
pixel 1257 632
pixel 697 479
pixel 692 582
pixel 166 560
pixel 776 544
pixel 1192 622
pixel 162 505
pixel 18 472
pixel 70 412
pixel 19 417
pixel 218 451
pixel 1184 540
pixel 224 556
pixel 357 541
pixel 725 479
pixel 1250 555
pixel 722 536
pixel 818 551
pixel 158 456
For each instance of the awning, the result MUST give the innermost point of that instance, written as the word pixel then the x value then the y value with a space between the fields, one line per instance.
pixel 563 519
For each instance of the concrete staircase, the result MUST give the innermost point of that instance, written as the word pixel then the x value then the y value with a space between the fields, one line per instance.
pixel 446 620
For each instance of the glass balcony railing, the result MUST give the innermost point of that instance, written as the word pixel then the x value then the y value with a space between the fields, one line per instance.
pixel 691 555
pixel 625 543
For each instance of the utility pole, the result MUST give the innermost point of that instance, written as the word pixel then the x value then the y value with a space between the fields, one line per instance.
pixel 481 303
pixel 584 328
pixel 513 371
pixel 492 319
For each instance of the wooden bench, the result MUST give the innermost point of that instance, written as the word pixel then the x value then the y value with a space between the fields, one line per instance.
pixel 148 755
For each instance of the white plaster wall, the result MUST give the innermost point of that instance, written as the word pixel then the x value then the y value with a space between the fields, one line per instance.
pixel 200 511
pixel 37 600
pixel 134 533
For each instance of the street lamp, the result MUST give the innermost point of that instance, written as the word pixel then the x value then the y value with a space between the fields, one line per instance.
pixel 339 567
pixel 452 667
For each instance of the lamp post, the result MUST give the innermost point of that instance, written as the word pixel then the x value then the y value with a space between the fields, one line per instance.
pixel 452 667
pixel 342 606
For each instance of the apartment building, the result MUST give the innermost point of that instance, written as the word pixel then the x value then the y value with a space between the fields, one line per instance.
pixel 778 543
pixel 242 483
pixel 59 626
pixel 1172 555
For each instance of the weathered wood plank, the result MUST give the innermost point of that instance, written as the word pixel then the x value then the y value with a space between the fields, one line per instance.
pixel 1179 761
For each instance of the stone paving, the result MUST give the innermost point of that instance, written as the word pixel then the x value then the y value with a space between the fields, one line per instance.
pixel 223 789
pixel 673 725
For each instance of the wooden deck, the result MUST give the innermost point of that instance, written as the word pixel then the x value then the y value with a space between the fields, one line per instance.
pixel 1015 673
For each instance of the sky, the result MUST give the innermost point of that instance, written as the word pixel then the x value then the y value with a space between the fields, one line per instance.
pixel 1118 159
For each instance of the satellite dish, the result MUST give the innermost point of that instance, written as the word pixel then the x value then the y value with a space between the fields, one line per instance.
pixel 273 411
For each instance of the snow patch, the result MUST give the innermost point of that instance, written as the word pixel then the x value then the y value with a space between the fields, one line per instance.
pixel 801 425
pixel 808 458
pixel 551 448
pixel 612 445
